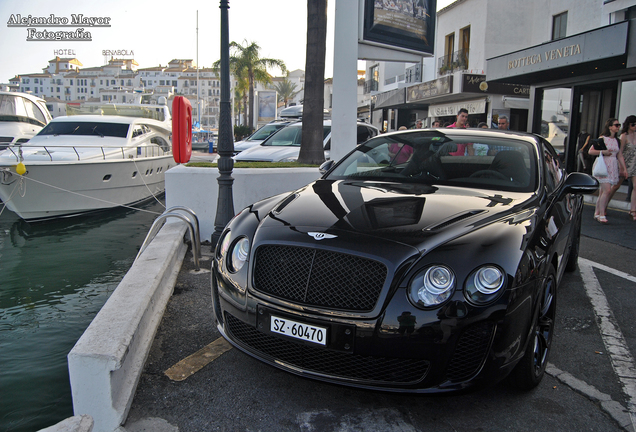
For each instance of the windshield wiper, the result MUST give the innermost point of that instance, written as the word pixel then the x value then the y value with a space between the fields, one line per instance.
pixel 95 131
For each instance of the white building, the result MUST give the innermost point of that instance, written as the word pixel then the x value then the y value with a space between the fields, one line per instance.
pixel 564 63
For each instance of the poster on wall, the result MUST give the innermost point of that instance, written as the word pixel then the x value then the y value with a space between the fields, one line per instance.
pixel 266 106
pixel 406 24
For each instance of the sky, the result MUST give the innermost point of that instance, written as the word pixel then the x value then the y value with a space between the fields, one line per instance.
pixel 157 32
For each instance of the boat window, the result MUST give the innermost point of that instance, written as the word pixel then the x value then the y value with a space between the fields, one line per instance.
pixel 117 130
pixel 137 131
pixel 32 110
pixel 165 145
pixel 18 108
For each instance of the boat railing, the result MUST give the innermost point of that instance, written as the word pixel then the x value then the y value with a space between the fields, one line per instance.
pixel 193 229
pixel 106 152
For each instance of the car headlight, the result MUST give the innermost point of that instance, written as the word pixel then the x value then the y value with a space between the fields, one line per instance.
pixel 224 245
pixel 485 284
pixel 240 253
pixel 432 287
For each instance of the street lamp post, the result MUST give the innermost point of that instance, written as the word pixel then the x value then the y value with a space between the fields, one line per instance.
pixel 225 203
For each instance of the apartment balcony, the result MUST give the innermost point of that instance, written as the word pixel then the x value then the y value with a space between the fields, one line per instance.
pixel 371 86
pixel 458 61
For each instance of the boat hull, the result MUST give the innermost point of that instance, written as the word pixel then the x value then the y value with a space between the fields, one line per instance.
pixel 50 190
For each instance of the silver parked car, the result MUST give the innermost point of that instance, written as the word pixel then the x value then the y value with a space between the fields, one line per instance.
pixel 284 145
pixel 261 135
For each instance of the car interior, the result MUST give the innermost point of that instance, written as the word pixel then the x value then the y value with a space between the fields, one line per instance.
pixel 493 163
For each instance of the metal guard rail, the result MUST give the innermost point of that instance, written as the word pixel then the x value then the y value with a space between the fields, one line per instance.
pixel 193 229
pixel 148 150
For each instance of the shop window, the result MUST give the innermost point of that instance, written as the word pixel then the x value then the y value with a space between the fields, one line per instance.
pixel 555 116
pixel 559 25
pixel 464 50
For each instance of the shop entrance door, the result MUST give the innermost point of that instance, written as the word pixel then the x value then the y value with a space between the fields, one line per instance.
pixel 596 104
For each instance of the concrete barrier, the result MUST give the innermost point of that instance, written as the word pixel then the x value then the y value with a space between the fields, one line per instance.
pixel 197 188
pixel 106 362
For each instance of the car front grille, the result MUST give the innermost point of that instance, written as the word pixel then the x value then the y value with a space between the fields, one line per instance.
pixel 319 277
pixel 470 351
pixel 338 365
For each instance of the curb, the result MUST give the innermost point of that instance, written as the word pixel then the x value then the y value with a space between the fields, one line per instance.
pixel 106 363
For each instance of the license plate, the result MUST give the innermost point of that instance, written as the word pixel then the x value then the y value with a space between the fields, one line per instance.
pixel 306 332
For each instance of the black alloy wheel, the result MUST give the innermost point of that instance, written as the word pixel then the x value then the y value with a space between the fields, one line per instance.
pixel 530 370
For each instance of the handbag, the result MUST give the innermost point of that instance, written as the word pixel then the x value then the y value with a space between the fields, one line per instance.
pixel 599 169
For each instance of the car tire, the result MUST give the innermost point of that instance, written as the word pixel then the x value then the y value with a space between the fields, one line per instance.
pixel 530 370
pixel 573 256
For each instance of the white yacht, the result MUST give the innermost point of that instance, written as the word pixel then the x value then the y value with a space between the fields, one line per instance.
pixel 21 117
pixel 116 155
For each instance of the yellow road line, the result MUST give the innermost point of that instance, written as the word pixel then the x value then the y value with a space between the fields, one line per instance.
pixel 193 363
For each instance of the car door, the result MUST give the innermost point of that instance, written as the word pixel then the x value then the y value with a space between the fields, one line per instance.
pixel 561 208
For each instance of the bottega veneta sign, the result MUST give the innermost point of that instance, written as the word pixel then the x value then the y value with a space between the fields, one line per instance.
pixel 45 34
pixel 566 54
pixel 567 51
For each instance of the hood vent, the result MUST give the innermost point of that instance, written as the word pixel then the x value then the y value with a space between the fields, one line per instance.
pixel 453 220
pixel 285 203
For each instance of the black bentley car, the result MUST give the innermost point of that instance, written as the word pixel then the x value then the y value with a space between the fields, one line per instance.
pixel 423 261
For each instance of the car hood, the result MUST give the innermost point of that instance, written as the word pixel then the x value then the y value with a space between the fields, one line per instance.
pixel 244 145
pixel 418 215
pixel 269 153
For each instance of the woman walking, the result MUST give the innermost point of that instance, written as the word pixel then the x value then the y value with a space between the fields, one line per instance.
pixel 628 150
pixel 615 168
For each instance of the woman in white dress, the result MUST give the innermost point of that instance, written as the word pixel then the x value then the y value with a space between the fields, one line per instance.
pixel 615 168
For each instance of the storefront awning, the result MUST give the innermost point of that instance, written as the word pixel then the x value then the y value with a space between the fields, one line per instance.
pixel 516 103
pixel 390 98
pixel 476 106
pixel 602 49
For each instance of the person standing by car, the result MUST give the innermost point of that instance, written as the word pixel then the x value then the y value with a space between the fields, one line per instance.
pixel 628 150
pixel 461 122
pixel 436 124
pixel 615 167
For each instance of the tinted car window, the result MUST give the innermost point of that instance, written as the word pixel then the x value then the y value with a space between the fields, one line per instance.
pixel 553 172
pixel 498 163
pixel 266 131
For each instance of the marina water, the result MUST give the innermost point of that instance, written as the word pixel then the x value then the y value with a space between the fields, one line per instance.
pixel 54 278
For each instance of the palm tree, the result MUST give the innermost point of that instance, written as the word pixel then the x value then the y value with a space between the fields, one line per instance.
pixel 286 90
pixel 311 150
pixel 246 62
pixel 242 88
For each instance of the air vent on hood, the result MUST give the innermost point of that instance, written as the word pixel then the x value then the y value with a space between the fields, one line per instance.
pixel 285 203
pixel 454 219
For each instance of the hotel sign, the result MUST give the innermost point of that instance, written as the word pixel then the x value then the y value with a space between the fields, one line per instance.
pixel 602 43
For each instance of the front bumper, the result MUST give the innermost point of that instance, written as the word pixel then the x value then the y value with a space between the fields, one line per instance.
pixel 379 353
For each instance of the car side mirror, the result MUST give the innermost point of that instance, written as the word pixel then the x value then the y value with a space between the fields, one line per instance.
pixel 579 183
pixel 326 166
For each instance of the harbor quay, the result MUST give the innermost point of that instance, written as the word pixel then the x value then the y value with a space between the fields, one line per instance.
pixel 154 354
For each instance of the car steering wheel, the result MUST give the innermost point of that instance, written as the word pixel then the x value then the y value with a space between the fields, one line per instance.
pixel 489 174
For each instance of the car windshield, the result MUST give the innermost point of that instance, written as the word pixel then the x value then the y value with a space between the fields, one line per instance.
pixel 438 158
pixel 265 131
pixel 291 136
pixel 118 130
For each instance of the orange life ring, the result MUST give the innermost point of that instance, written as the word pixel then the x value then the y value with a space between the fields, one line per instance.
pixel 181 129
